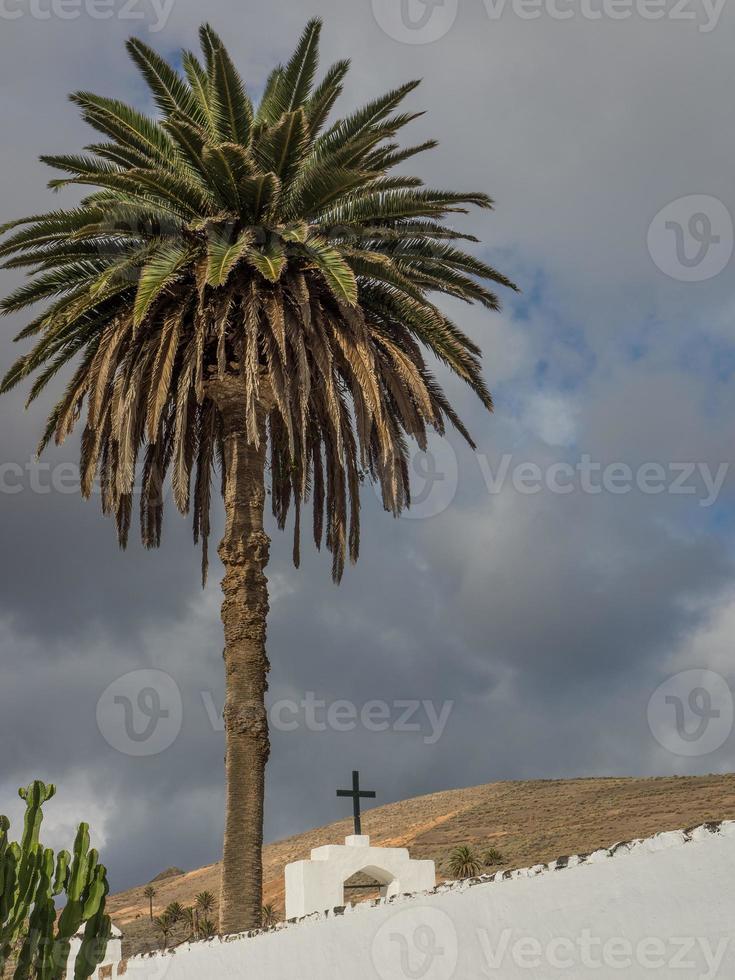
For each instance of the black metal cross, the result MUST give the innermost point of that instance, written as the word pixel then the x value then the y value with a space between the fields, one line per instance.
pixel 357 794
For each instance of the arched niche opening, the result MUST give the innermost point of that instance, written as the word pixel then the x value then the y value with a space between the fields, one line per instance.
pixel 369 883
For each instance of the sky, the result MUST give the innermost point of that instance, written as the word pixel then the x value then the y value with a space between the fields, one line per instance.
pixel 560 603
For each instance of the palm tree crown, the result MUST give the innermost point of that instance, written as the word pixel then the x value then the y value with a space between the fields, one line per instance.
pixel 464 862
pixel 227 239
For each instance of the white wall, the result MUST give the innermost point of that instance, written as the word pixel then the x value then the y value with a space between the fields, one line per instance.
pixel 113 954
pixel 318 884
pixel 664 908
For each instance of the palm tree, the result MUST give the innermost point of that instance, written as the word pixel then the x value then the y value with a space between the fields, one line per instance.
pixel 270 916
pixel 175 912
pixel 205 902
pixel 464 862
pixel 492 857
pixel 150 894
pixel 247 288
pixel 164 925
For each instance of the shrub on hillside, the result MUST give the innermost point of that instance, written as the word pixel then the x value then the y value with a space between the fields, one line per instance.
pixel 464 862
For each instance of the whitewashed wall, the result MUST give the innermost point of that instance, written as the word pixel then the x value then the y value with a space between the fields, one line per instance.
pixel 664 908
pixel 113 955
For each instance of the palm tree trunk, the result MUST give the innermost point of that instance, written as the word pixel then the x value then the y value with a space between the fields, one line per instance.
pixel 244 552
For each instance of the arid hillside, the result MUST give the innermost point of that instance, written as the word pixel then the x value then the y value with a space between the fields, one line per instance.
pixel 528 822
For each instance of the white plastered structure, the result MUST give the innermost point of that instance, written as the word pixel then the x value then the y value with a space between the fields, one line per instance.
pixel 318 885
pixel 649 894
pixel 113 955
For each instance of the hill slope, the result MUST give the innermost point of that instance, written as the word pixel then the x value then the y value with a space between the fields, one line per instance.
pixel 529 822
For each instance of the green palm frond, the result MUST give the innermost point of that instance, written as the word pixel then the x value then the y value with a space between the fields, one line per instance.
pixel 362 121
pixel 269 259
pixel 124 124
pixel 289 86
pixel 160 271
pixel 336 270
pixel 281 148
pixel 322 99
pixel 298 76
pixel 200 91
pixel 232 110
pixel 259 195
pixel 169 90
pixel 222 256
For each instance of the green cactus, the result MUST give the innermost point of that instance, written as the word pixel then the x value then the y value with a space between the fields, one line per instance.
pixel 31 879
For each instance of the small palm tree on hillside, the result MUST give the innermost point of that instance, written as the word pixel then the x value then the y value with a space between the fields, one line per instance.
pixel 464 862
pixel 205 902
pixel 165 926
pixel 175 912
pixel 247 289
pixel 150 894
pixel 270 916
pixel 493 857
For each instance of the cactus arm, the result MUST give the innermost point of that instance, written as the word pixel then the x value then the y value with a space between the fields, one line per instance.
pixel 30 879
pixel 97 934
pixel 7 894
pixel 27 875
pixel 61 877
pixel 8 883
pixel 73 914
pixel 97 891
pixel 4 828
pixel 34 796
pixel 35 940
pixel 87 891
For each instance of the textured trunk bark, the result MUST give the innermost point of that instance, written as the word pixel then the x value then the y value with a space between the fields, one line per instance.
pixel 244 552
